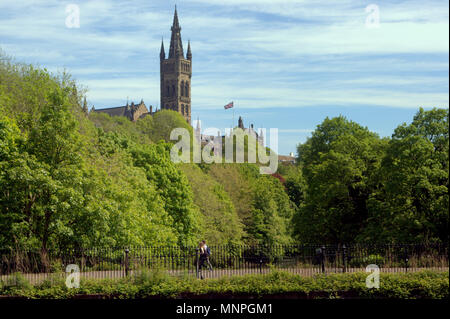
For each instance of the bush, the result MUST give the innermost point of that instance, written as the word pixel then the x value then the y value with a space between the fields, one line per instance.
pixel 150 277
pixel 147 283
pixel 16 283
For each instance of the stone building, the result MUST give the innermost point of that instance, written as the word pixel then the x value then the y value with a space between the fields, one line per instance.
pixel 206 138
pixel 132 111
pixel 176 72
pixel 175 86
pixel 251 131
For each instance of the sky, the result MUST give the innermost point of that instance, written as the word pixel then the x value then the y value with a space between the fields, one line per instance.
pixel 285 64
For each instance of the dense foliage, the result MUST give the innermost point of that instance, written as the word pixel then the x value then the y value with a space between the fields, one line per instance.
pixel 146 284
pixel 359 187
pixel 70 178
pixel 74 178
pixel 65 181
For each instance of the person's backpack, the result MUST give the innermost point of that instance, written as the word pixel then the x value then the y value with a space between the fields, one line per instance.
pixel 208 251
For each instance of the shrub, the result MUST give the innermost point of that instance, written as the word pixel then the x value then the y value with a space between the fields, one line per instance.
pixel 156 282
pixel 17 282
pixel 150 277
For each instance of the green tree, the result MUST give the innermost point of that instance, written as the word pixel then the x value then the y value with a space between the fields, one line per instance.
pixel 271 213
pixel 173 187
pixel 219 222
pixel 43 176
pixel 414 202
pixel 164 122
pixel 295 185
pixel 338 163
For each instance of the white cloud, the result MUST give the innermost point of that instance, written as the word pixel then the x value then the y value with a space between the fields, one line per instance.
pixel 259 53
pixel 267 97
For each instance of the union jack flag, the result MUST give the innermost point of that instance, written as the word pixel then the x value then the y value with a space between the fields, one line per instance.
pixel 228 106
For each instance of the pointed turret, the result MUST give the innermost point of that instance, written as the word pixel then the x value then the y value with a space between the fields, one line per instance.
pixel 175 24
pixel 261 137
pixel 198 131
pixel 162 54
pixel 176 46
pixel 240 123
pixel 189 53
pixel 85 107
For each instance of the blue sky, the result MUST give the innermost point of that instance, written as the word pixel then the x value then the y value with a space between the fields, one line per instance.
pixel 285 63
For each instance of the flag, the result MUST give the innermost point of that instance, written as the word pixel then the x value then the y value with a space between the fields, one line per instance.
pixel 228 106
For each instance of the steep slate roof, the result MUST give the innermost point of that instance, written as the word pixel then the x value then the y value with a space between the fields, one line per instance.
pixel 131 111
pixel 113 111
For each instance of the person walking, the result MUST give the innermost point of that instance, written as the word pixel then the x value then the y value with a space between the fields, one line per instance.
pixel 208 254
pixel 202 258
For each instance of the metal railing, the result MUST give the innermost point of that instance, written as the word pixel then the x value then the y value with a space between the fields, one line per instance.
pixel 226 260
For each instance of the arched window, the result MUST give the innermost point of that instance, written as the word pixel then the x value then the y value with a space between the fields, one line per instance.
pixel 182 109
pixel 182 88
pixel 186 89
pixel 173 90
pixel 168 91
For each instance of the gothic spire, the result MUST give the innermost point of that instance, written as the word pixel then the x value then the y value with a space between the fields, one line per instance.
pixel 85 107
pixel 189 53
pixel 176 24
pixel 162 54
pixel 176 46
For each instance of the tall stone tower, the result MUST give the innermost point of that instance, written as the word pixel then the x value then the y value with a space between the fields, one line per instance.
pixel 176 72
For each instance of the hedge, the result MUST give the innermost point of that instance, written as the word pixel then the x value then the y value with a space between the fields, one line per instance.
pixel 157 284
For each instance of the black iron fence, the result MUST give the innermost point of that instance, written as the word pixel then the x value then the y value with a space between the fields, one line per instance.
pixel 224 260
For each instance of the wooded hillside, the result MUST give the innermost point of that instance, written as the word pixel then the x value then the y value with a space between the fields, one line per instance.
pixel 71 179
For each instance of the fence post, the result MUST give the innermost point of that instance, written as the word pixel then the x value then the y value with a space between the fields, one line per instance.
pixel 260 261
pixel 406 258
pixel 344 257
pixel 83 261
pixel 126 262
pixel 322 258
pixel 197 251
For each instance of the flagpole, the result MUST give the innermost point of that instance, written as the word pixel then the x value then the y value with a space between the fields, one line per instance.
pixel 233 117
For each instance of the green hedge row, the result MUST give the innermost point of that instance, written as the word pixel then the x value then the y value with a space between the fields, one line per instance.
pixel 149 284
